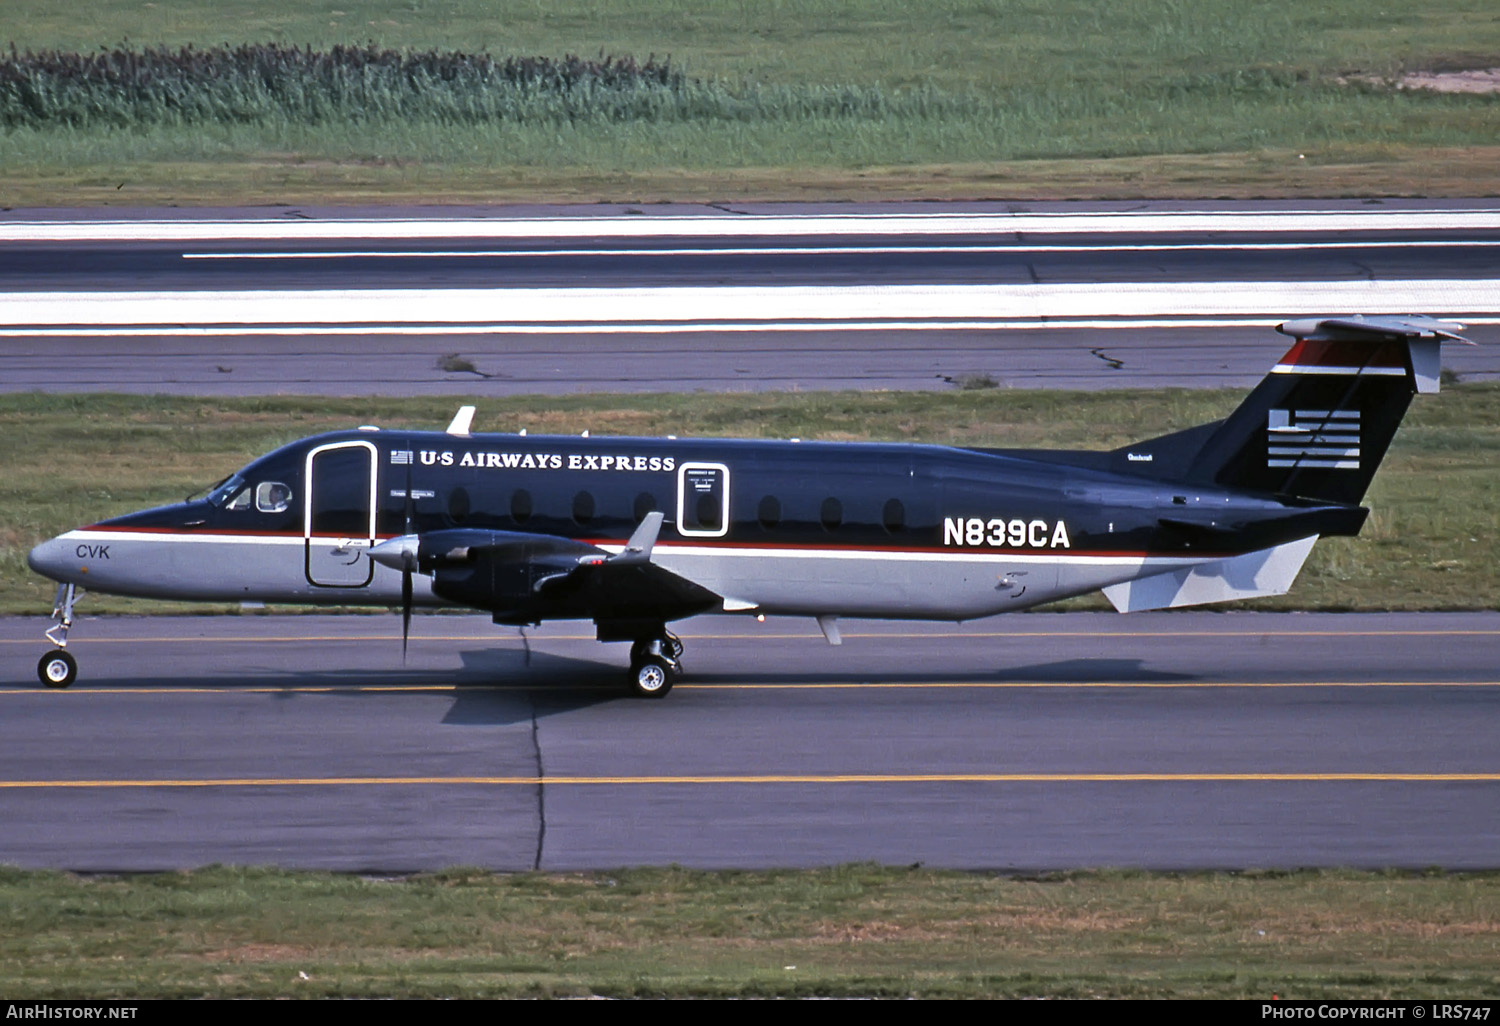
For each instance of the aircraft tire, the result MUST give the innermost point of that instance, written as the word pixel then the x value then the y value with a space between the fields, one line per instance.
pixel 651 677
pixel 57 669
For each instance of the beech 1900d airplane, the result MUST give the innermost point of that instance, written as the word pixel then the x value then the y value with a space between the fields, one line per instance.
pixel 634 533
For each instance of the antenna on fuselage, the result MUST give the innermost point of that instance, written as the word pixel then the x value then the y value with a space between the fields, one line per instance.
pixel 461 422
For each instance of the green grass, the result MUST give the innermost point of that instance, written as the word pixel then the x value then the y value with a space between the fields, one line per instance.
pixel 849 931
pixel 952 44
pixel 823 98
pixel 1431 542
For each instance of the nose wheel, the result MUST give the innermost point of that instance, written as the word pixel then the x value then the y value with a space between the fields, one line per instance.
pixel 655 665
pixel 58 668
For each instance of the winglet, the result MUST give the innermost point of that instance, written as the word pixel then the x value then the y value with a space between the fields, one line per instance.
pixel 638 548
pixel 461 421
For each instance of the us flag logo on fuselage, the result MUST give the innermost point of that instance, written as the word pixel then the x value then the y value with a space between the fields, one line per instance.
pixel 1328 439
pixel 401 457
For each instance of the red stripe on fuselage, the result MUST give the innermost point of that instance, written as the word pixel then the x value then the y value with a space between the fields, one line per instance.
pixel 713 543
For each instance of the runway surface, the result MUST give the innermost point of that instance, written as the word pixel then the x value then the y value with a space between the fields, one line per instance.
pixel 563 300
pixel 1035 741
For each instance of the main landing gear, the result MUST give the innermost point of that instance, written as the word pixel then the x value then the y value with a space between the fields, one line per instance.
pixel 655 665
pixel 58 668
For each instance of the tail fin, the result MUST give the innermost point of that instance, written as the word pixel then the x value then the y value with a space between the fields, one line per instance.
pixel 1319 424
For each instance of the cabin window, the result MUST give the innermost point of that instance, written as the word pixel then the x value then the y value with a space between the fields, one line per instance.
pixel 458 505
pixel 893 516
pixel 644 503
pixel 520 505
pixel 709 513
pixel 583 507
pixel 272 497
pixel 832 513
pixel 769 512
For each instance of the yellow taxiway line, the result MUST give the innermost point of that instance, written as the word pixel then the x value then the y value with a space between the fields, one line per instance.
pixel 456 690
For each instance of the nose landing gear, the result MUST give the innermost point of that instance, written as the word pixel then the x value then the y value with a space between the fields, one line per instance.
pixel 655 665
pixel 58 668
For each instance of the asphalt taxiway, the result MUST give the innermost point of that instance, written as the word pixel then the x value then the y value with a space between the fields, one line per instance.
pixel 1035 741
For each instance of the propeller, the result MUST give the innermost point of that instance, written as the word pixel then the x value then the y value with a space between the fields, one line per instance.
pixel 400 553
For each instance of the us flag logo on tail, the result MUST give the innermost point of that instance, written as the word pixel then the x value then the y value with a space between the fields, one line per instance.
pixel 1328 439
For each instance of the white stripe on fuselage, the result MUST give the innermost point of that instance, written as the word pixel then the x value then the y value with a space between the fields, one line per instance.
pixel 967 555
pixel 941 585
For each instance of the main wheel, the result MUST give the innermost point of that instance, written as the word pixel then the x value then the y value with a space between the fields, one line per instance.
pixel 57 669
pixel 651 677
pixel 668 644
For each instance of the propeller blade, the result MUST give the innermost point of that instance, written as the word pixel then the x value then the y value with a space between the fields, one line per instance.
pixel 405 608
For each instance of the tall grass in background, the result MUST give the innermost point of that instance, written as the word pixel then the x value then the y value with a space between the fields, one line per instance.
pixel 271 84
pixel 408 95
pixel 786 89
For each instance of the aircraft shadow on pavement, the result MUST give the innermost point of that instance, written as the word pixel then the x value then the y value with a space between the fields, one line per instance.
pixel 493 685
pixel 506 685
pixel 1065 671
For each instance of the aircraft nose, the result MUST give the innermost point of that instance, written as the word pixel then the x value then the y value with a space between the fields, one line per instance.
pixel 53 558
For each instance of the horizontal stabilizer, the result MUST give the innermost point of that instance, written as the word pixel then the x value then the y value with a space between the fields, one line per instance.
pixel 1422 335
pixel 1329 329
pixel 1252 575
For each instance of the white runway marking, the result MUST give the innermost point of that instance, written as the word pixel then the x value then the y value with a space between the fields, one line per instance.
pixel 910 307
pixel 746 225
pixel 781 251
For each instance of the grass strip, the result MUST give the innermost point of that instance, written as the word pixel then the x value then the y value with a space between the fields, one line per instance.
pixel 1431 542
pixel 857 930
pixel 395 101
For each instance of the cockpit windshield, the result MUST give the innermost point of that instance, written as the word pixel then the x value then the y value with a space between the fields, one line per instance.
pixel 226 490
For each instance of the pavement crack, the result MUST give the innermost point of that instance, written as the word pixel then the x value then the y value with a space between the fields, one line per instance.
pixel 541 794
pixel 1114 363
